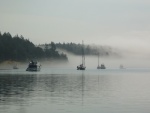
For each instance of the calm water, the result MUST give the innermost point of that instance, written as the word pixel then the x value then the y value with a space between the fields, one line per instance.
pixel 71 91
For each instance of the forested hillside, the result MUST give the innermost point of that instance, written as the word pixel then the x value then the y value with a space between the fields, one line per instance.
pixel 76 49
pixel 18 48
pixel 88 49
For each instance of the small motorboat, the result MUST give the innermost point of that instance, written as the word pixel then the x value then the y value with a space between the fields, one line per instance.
pixel 81 67
pixel 34 66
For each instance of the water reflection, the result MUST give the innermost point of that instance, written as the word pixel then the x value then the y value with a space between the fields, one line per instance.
pixel 75 93
pixel 61 86
pixel 58 88
pixel 16 86
pixel 24 88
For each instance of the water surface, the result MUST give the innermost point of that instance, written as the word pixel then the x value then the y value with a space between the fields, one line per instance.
pixel 71 91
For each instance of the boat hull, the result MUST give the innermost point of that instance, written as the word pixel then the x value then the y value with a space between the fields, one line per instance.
pixel 15 67
pixel 34 66
pixel 33 69
pixel 101 67
pixel 98 67
pixel 80 68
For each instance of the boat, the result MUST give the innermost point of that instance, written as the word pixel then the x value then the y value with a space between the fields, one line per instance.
pixel 98 67
pixel 82 65
pixel 102 65
pixel 121 67
pixel 34 66
pixel 15 66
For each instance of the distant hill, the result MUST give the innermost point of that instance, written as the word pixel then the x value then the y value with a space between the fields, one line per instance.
pixel 76 49
pixel 20 49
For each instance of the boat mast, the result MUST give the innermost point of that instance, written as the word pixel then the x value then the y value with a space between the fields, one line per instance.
pixel 98 59
pixel 83 57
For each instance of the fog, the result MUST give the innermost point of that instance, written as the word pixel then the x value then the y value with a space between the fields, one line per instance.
pixel 91 62
pixel 110 62
pixel 130 56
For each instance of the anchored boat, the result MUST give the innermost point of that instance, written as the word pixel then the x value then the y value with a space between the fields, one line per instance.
pixel 102 65
pixel 34 66
pixel 82 65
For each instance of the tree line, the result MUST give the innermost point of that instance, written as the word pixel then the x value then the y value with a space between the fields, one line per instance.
pixel 77 49
pixel 88 49
pixel 18 48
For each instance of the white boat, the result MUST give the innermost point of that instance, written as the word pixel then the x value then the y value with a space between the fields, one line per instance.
pixel 82 65
pixel 34 66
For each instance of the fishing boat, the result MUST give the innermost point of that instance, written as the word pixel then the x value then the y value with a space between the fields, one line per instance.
pixel 34 66
pixel 82 65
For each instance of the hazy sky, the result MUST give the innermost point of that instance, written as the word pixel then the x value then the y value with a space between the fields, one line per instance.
pixel 105 22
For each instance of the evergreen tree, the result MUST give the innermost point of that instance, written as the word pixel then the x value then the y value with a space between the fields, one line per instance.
pixel 20 49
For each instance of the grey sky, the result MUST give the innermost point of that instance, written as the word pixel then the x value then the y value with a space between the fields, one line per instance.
pixel 104 22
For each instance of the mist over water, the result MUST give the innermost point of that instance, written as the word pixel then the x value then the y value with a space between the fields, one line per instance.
pixel 130 58
pixel 91 62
